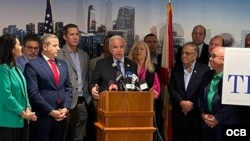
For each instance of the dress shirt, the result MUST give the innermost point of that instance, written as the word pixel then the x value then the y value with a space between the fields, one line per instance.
pixel 76 61
pixel 212 89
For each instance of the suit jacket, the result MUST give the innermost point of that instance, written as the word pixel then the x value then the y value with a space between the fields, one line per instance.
pixel 204 57
pixel 84 64
pixel 104 72
pixel 177 86
pixel 42 89
pixel 21 62
pixel 93 63
pixel 13 96
pixel 225 114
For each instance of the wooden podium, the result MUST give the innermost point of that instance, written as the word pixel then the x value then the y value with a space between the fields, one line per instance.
pixel 125 116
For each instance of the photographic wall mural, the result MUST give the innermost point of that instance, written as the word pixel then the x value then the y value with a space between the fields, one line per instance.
pixel 132 19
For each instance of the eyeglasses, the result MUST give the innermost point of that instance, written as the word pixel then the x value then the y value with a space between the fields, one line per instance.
pixel 187 53
pixel 32 48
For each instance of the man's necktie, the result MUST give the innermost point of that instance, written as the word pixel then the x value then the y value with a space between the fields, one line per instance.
pixel 118 65
pixel 54 71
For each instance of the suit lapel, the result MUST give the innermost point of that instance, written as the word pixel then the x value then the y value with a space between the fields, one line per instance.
pixel 60 69
pixel 68 57
pixel 112 69
pixel 127 65
pixel 21 81
pixel 180 76
pixel 47 69
pixel 193 77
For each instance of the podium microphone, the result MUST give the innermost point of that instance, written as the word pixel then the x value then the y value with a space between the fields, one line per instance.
pixel 120 80
pixel 143 85
pixel 128 81
pixel 119 76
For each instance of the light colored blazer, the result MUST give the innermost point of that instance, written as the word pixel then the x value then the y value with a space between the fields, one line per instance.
pixel 13 96
pixel 84 62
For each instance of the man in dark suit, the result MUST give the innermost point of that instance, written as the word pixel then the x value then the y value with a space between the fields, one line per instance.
pixel 78 65
pixel 153 45
pixel 105 72
pixel 214 114
pixel 156 57
pixel 49 90
pixel 184 92
pixel 30 50
pixel 198 37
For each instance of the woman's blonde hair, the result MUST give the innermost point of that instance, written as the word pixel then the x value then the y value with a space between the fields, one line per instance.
pixel 148 64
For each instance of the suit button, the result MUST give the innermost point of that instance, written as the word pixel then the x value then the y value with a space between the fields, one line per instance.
pixel 76 88
pixel 76 78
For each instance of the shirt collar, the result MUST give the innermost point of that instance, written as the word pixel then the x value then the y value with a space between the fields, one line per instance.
pixel 192 66
pixel 46 58
pixel 115 60
pixel 218 76
pixel 69 49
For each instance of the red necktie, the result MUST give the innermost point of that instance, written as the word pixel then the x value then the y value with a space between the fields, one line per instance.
pixel 54 71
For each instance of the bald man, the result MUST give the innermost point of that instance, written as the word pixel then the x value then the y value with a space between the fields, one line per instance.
pixel 214 114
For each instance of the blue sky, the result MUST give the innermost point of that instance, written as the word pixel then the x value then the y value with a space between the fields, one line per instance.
pixel 229 16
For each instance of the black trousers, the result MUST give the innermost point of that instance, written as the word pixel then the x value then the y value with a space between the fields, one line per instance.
pixel 14 134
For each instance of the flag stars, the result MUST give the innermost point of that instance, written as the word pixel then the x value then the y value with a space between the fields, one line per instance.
pixel 48 25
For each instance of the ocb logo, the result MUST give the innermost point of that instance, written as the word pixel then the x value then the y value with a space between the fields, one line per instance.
pixel 236 132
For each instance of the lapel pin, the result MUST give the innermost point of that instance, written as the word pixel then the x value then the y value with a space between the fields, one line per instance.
pixel 128 65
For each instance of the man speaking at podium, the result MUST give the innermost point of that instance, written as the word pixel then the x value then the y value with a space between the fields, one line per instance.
pixel 112 69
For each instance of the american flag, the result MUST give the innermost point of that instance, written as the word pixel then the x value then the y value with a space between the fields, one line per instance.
pixel 48 25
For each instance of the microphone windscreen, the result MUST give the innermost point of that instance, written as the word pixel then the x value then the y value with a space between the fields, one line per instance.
pixel 128 73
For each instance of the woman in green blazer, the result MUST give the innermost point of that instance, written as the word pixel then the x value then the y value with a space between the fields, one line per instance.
pixel 15 108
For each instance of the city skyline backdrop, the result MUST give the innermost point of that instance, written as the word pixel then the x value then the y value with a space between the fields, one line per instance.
pixel 219 16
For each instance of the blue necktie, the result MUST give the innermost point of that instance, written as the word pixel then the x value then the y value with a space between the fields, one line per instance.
pixel 118 65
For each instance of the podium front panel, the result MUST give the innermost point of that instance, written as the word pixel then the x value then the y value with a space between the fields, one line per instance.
pixel 125 115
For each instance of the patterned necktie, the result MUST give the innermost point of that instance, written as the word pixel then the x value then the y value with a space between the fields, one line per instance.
pixel 54 71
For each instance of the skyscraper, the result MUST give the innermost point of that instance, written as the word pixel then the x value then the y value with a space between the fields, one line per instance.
pixel 40 28
pixel 108 17
pixel 91 19
pixel 80 16
pixel 126 21
pixel 30 28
